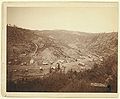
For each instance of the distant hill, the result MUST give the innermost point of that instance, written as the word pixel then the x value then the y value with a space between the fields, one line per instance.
pixel 94 42
pixel 22 44
pixel 48 46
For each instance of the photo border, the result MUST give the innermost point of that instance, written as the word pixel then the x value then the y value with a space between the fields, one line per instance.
pixel 4 52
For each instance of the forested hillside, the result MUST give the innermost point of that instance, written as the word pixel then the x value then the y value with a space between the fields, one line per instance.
pixel 83 59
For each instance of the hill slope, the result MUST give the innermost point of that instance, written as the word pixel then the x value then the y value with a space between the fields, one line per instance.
pixel 37 48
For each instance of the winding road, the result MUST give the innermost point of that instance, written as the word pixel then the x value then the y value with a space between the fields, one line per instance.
pixel 35 49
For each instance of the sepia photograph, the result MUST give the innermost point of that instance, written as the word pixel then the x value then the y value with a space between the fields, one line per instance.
pixel 62 48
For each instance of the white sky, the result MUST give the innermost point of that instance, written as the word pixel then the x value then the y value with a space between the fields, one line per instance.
pixel 85 19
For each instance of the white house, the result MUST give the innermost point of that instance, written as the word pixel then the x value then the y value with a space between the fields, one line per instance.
pixel 31 61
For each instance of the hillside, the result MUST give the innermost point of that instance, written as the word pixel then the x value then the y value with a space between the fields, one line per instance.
pixel 93 54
